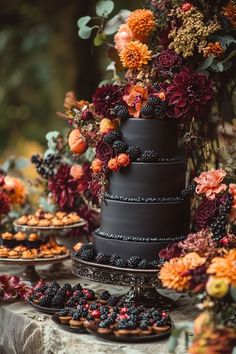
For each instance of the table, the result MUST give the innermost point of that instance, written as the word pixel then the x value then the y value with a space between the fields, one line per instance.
pixel 26 331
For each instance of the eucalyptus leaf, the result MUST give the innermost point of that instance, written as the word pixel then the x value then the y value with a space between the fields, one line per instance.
pixel 103 82
pixel 48 152
pixel 6 165
pixel 230 56
pixel 175 335
pixel 234 350
pixel 21 162
pixel 99 39
pixel 82 21
pixel 207 62
pixel 52 135
pixel 46 205
pixel 114 23
pixel 104 7
pixel 85 32
pixel 220 66
pixel 233 293
pixel 225 41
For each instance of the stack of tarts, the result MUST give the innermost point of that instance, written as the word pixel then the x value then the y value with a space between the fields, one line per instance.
pixel 43 219
pixel 48 250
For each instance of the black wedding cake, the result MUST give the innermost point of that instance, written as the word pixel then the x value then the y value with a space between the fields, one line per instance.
pixel 144 208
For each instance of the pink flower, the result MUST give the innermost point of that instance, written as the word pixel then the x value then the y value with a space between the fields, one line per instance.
pixel 122 37
pixel 76 171
pixel 209 183
pixel 232 191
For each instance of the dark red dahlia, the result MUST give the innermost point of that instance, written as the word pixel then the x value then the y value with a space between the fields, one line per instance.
pixel 205 212
pixel 104 152
pixel 84 181
pixel 189 94
pixel 90 216
pixel 106 98
pixel 64 188
pixel 167 62
pixel 170 251
pixel 4 203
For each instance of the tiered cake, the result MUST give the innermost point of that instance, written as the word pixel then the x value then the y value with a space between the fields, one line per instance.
pixel 143 210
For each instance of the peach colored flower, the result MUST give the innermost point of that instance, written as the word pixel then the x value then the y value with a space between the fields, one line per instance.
pixel 122 37
pixel 96 165
pixel 107 125
pixel 16 190
pixel 76 171
pixel 209 183
pixel 123 160
pixel 232 191
pixel 136 98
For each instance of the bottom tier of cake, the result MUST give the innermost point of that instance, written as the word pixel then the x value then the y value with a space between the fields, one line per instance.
pixel 126 249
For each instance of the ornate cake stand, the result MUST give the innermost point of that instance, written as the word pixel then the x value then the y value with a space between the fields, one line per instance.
pixel 29 273
pixel 142 282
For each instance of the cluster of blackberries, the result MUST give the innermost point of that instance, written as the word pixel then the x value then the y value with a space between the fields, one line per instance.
pixel 154 107
pixel 190 190
pixel 119 147
pixel 148 156
pixel 46 167
pixel 86 252
pixel 219 223
pixel 121 111
pixel 111 137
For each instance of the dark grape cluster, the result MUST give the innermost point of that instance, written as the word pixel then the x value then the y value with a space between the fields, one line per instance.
pixel 46 167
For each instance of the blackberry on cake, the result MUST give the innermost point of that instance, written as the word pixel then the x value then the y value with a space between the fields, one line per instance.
pixel 154 101
pixel 113 301
pixel 133 152
pixel 148 156
pixel 102 258
pixel 120 263
pixel 114 258
pixel 121 111
pixel 111 137
pixel 159 112
pixel 119 146
pixel 133 261
pixel 143 264
pixel 147 111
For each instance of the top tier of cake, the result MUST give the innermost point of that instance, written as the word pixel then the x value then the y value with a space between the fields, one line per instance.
pixel 159 135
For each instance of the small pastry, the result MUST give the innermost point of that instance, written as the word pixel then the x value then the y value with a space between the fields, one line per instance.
pixel 161 326
pixel 64 316
pixel 33 237
pixel 145 329
pixel 7 236
pixel 58 250
pixel 60 214
pixel 67 221
pixel 44 223
pixel 20 236
pixel 57 222
pixel 76 320
pixel 33 222
pixel 104 327
pixel 47 254
pixel 74 217
pixel 4 252
pixel 13 254
pixel 39 213
pixel 28 254
pixel 48 216
pixel 22 220
pixel 20 248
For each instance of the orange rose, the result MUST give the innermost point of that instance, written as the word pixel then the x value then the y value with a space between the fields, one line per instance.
pixel 76 171
pixel 135 98
pixel 96 165
pixel 210 183
pixel 123 160
pixel 113 164
pixel 77 142
pixel 106 126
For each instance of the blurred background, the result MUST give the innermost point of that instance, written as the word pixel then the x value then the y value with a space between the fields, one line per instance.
pixel 41 58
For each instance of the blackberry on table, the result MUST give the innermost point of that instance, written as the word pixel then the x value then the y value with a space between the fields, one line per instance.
pixel 113 300
pixel 148 156
pixel 147 111
pixel 133 152
pixel 119 146
pixel 54 285
pixel 102 258
pixel 133 261
pixel 45 301
pixel 66 287
pixel 109 138
pixel 77 287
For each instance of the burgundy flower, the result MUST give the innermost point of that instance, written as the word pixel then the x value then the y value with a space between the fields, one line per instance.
pixel 166 62
pixel 170 251
pixel 87 115
pixel 64 188
pixel 84 181
pixel 104 152
pixel 90 216
pixel 4 203
pixel 106 98
pixel 189 95
pixel 205 212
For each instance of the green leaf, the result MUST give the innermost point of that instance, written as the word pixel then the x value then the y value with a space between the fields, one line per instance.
pixel 233 293
pixel 104 8
pixel 82 21
pixel 220 66
pixel 176 333
pixel 230 56
pixel 85 32
pixel 53 135
pixel 99 39
pixel 225 41
pixel 6 165
pixel 207 62
pixel 43 202
pixel 114 23
pixel 234 350
pixel 21 162
pixel 103 82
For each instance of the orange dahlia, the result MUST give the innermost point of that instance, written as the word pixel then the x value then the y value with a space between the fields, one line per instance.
pixel 174 273
pixel 213 48
pixel 16 190
pixel 142 23
pixel 230 13
pixel 224 267
pixel 135 55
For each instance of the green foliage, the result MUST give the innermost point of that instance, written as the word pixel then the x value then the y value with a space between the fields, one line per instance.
pixel 104 8
pixel 114 23
pixel 179 329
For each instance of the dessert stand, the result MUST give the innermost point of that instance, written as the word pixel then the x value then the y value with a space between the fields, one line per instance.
pixel 29 273
pixel 142 282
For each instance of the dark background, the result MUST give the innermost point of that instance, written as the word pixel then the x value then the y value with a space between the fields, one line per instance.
pixel 41 58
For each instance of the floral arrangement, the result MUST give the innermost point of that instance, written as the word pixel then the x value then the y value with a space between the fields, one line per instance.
pixel 66 182
pixel 167 61
pixel 12 287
